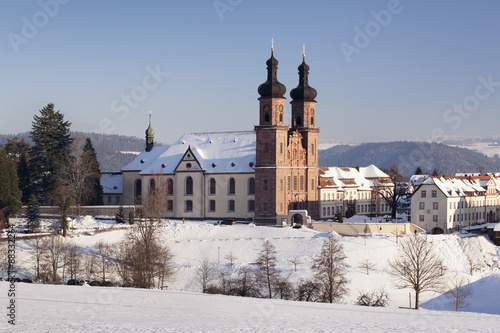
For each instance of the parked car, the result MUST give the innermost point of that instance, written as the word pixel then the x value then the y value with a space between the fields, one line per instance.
pixel 95 283
pixel 27 280
pixel 71 282
pixel 228 222
pixel 107 284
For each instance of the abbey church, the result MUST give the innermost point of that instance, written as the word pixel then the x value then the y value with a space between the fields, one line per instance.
pixel 268 175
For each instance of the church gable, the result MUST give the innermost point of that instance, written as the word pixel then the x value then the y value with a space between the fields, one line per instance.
pixel 188 162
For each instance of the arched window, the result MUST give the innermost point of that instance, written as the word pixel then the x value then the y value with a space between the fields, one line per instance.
pixel 251 186
pixel 211 189
pixel 267 117
pixel 170 186
pixel 212 206
pixel 281 117
pixel 312 121
pixel 232 186
pixel 189 186
pixel 170 205
pixel 152 186
pixel 189 206
pixel 138 191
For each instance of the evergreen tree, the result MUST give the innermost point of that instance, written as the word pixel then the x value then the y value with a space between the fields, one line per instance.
pixel 18 150
pixel 33 213
pixel 419 171
pixel 339 218
pixel 51 150
pixel 93 189
pixel 10 195
pixel 120 215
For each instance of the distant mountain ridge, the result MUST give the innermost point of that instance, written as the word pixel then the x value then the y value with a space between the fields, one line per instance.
pixel 408 156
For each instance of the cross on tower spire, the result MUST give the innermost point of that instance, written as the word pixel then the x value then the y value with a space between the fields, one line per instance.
pixel 272 44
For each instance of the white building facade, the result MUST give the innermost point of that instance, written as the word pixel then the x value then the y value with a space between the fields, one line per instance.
pixel 444 204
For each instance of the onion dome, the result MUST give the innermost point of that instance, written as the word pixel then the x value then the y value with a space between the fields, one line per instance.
pixel 272 87
pixel 303 92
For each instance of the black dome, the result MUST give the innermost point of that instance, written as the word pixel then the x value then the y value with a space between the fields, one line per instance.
pixel 303 92
pixel 272 87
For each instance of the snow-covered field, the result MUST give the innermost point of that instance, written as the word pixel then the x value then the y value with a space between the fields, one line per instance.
pixel 47 308
pixel 183 309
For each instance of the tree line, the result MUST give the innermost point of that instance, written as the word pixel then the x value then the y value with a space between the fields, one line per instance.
pixel 55 170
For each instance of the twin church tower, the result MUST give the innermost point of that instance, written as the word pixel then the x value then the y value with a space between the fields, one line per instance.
pixel 286 170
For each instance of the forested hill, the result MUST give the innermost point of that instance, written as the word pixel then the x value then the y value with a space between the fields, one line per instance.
pixel 408 156
pixel 110 148
pixel 111 153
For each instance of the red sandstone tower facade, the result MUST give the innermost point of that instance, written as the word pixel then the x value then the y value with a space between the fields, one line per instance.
pixel 286 171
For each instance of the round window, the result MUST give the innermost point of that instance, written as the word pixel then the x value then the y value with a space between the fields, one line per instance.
pixel 188 165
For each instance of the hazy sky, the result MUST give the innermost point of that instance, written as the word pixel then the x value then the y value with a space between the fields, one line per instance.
pixel 384 70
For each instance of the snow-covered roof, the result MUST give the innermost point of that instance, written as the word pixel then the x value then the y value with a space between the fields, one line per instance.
pixel 217 152
pixel 454 187
pixel 362 178
pixel 111 183
pixel 497 228
pixel 144 159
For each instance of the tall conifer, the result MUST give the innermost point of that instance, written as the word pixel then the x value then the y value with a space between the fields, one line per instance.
pixel 10 195
pixel 51 150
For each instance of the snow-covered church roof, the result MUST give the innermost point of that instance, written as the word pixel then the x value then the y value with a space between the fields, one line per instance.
pixel 217 152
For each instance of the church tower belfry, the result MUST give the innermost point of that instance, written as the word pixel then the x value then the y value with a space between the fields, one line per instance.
pixel 271 153
pixel 150 134
pixel 286 170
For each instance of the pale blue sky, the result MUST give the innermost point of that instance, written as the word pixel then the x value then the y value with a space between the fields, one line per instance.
pixel 86 56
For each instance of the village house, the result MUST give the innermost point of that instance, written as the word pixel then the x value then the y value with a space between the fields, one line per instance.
pixel 445 204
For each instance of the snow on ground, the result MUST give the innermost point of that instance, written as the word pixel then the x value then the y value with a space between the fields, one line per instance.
pixel 48 308
pixel 191 242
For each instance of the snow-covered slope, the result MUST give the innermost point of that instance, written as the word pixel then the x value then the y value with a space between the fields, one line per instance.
pixel 47 308
pixel 191 242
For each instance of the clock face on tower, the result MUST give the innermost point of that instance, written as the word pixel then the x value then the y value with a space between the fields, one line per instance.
pixel 281 107
pixel 267 107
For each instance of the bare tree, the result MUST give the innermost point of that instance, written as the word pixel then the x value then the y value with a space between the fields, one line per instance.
pixel 417 266
pixel 308 291
pixel 53 249
pixel 375 298
pixel 72 259
pixel 230 257
pixel 37 256
pixel 206 273
pixel 122 261
pixel 90 266
pixel 296 261
pixel 473 264
pixel 104 259
pixel 149 260
pixel 245 285
pixel 329 271
pixel 367 264
pixel 267 273
pixel 393 195
pixel 155 203
pixel 459 293
pixel 283 288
